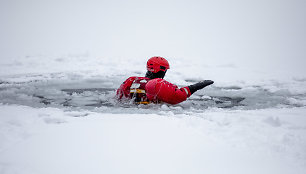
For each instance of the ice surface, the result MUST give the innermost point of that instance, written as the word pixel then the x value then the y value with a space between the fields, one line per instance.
pixel 58 141
pixel 54 119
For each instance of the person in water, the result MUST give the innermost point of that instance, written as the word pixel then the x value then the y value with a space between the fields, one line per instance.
pixel 153 88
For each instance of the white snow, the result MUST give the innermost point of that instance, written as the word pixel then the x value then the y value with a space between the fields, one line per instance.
pixel 50 140
pixel 253 50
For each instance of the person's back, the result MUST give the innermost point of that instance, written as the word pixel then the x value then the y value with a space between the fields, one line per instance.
pixel 153 88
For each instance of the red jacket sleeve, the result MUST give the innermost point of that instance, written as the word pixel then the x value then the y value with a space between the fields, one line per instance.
pixel 124 89
pixel 161 90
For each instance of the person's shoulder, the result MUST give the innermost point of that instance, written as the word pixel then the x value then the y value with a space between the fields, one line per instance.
pixel 157 81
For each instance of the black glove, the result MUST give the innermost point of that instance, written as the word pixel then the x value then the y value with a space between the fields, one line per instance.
pixel 200 85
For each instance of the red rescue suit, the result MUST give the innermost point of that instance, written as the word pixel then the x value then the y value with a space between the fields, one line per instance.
pixel 146 90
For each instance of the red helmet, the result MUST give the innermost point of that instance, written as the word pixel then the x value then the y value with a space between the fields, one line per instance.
pixel 156 64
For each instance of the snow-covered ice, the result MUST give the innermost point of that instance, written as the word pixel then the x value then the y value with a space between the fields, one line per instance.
pixel 40 134
pixel 48 140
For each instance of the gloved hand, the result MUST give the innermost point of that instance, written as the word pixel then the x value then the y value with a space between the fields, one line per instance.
pixel 200 85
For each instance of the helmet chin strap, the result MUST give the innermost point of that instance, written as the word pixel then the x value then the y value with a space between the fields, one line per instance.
pixel 159 74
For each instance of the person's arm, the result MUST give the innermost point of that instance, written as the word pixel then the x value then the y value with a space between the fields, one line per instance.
pixel 124 89
pixel 200 85
pixel 161 90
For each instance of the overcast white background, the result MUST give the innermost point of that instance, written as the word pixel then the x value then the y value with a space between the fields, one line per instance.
pixel 263 34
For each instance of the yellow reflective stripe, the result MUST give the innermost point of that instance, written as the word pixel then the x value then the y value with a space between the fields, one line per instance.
pixel 137 91
pixel 143 102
